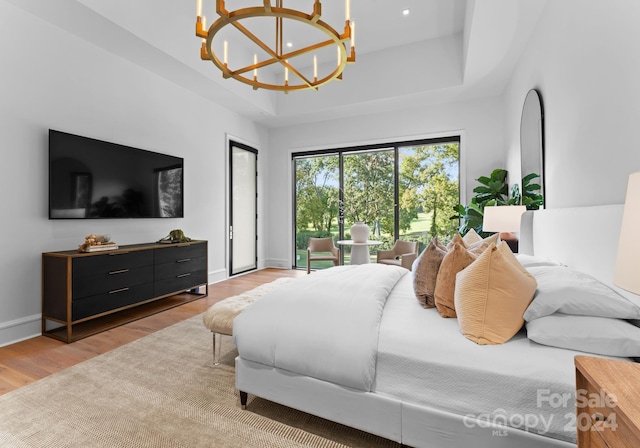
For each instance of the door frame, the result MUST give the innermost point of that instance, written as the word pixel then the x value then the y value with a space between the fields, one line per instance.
pixel 230 144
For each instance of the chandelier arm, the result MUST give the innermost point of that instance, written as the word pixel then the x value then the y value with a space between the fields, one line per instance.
pixel 295 71
pixel 282 58
pixel 309 49
pixel 259 65
pixel 257 41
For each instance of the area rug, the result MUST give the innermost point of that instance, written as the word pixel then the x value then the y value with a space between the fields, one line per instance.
pixel 160 391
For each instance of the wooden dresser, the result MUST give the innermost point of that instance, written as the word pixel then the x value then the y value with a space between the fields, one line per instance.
pixel 607 403
pixel 85 293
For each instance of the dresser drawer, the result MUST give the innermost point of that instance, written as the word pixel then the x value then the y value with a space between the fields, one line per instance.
pixel 112 300
pixel 180 282
pixel 180 254
pixel 179 267
pixel 116 261
pixel 614 433
pixel 90 285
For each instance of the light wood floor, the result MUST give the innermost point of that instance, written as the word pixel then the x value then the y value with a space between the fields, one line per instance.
pixel 27 361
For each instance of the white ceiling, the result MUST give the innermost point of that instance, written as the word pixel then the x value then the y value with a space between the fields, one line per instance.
pixel 445 50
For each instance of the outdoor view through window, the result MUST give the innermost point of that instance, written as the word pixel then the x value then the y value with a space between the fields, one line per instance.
pixel 404 191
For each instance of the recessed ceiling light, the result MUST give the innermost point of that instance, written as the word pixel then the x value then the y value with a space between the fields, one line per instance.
pixel 406 12
pixel 289 44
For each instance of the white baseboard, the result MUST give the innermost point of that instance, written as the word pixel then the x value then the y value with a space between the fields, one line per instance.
pixel 217 276
pixel 277 263
pixel 20 329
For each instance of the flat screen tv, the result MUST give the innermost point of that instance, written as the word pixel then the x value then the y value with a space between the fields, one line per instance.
pixel 91 178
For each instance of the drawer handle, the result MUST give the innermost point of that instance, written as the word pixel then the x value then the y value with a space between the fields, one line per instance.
pixel 115 291
pixel 119 253
pixel 184 275
pixel 183 260
pixel 121 271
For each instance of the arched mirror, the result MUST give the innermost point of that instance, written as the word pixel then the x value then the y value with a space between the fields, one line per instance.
pixel 532 151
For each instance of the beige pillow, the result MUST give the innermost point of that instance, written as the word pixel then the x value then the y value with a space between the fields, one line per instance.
pixel 453 262
pixel 479 246
pixel 491 295
pixel 475 246
pixel 471 237
pixel 425 271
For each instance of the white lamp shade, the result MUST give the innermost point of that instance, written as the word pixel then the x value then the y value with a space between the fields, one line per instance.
pixel 627 272
pixel 505 218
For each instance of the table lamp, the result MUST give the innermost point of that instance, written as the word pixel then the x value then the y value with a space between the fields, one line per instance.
pixel 504 219
pixel 627 271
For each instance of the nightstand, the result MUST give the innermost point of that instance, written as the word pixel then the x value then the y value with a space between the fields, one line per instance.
pixel 607 403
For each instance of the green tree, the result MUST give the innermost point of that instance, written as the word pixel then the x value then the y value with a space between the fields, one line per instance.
pixel 368 189
pixel 316 193
pixel 429 183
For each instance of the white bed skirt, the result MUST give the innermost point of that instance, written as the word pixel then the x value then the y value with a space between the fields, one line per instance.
pixel 413 425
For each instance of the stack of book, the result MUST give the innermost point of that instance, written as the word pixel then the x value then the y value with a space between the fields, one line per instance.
pixel 97 248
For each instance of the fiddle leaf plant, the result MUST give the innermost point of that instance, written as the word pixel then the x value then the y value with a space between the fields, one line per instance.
pixel 531 197
pixel 493 190
pixel 494 187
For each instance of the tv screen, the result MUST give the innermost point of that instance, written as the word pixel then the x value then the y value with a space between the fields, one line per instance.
pixel 91 178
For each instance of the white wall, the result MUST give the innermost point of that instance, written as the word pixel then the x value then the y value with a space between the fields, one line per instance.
pixel 482 149
pixel 52 79
pixel 584 59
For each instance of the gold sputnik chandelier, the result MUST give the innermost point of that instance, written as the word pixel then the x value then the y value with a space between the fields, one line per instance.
pixel 296 63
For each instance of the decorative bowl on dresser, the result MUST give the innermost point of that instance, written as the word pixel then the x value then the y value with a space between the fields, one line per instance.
pixel 86 293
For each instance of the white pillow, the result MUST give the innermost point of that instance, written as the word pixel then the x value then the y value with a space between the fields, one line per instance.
pixel 567 291
pixel 599 335
pixel 530 261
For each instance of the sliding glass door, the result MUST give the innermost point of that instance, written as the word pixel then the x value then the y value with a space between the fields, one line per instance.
pixel 403 191
pixel 428 190
pixel 317 203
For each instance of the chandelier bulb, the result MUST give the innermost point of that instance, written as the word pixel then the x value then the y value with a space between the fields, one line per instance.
pixel 315 68
pixel 353 34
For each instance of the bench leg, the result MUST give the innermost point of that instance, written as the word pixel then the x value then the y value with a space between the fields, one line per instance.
pixel 217 348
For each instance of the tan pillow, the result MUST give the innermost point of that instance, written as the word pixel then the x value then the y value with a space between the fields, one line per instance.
pixel 471 237
pixel 457 239
pixel 491 295
pixel 453 262
pixel 425 271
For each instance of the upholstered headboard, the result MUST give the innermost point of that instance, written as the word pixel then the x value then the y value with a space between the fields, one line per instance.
pixel 583 238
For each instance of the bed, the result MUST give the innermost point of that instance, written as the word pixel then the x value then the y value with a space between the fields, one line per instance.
pixel 360 350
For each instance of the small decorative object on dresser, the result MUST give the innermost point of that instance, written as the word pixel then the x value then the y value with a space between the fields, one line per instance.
pixel 175 236
pixel 607 403
pixel 97 243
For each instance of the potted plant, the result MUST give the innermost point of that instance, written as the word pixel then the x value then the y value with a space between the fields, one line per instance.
pixel 494 190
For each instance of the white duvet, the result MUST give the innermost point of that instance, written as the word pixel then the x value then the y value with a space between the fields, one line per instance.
pixel 311 327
